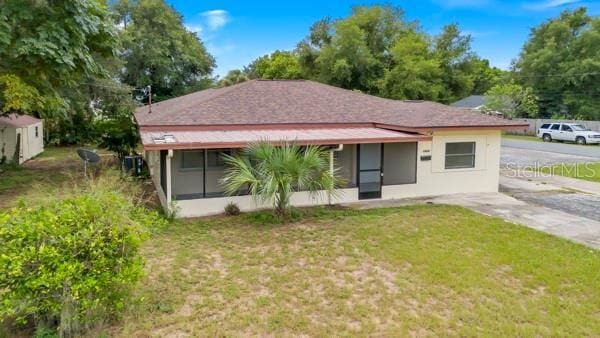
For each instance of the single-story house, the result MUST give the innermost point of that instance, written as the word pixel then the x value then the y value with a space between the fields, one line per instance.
pixel 385 149
pixel 21 138
pixel 477 103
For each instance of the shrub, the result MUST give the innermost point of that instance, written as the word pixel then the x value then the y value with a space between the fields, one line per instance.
pixel 71 263
pixel 231 209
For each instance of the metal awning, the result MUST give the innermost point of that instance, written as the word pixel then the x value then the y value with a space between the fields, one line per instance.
pixel 211 139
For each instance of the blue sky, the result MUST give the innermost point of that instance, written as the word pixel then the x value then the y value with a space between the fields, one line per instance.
pixel 236 32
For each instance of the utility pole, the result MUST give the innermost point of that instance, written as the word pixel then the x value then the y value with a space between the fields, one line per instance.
pixel 149 99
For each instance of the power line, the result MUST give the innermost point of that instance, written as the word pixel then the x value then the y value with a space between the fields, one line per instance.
pixel 554 75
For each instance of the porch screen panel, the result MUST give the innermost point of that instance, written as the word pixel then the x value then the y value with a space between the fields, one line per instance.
pixel 345 162
pixel 215 167
pixel 400 163
pixel 187 174
pixel 163 171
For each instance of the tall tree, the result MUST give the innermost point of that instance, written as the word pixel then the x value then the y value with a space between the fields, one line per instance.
pixel 453 50
pixel 415 73
pixel 279 65
pixel 233 76
pixel 48 48
pixel 354 52
pixel 561 62
pixel 512 100
pixel 159 51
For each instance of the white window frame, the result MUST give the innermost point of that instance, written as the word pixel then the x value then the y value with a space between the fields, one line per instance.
pixel 473 155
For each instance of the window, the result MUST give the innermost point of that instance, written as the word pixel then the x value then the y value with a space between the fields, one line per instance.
pixel 579 127
pixel 460 155
pixel 192 160
pixel 37 134
pixel 566 128
pixel 545 126
pixel 555 126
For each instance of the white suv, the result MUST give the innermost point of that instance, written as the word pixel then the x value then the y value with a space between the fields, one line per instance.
pixel 568 132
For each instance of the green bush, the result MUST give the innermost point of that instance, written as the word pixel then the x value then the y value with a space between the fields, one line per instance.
pixel 71 263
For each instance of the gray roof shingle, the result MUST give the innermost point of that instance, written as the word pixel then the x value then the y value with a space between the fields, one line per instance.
pixel 471 102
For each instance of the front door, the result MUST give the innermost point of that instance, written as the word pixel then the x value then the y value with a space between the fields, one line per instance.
pixel 369 170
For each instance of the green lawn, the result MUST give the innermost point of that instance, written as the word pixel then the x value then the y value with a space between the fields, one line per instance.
pixel 419 270
pixel 584 171
pixel 522 137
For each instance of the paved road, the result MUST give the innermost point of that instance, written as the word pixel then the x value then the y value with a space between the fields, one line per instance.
pixel 521 157
pixel 555 147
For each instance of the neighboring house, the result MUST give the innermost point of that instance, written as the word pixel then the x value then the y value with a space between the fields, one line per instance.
pixel 475 102
pixel 385 149
pixel 21 138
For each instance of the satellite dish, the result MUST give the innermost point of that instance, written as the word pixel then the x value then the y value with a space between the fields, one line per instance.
pixel 88 156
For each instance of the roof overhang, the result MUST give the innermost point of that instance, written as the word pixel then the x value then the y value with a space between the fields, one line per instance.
pixel 504 127
pixel 212 139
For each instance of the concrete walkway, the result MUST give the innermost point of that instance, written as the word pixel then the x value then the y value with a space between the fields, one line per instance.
pixel 579 229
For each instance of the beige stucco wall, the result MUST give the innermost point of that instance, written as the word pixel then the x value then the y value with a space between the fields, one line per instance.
pixel 432 178
pixel 216 205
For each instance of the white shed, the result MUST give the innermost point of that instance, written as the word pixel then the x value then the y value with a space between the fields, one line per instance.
pixel 21 138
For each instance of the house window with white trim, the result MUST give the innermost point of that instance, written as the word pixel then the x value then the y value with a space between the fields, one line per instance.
pixel 460 155
pixel 37 132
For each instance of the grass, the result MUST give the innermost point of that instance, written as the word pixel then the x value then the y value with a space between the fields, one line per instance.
pixel 43 174
pixel 522 137
pixel 418 270
pixel 583 171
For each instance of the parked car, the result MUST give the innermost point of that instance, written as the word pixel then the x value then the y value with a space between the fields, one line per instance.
pixel 568 132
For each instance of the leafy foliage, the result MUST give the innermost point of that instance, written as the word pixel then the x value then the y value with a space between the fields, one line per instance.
pixel 273 173
pixel 280 65
pixel 375 50
pixel 561 62
pixel 159 51
pixel 52 47
pixel 233 77
pixel 18 97
pixel 71 263
pixel 512 100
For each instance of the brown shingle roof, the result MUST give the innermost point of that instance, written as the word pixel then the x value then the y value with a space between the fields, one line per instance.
pixel 19 121
pixel 261 102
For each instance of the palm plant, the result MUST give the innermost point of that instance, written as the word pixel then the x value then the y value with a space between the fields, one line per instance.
pixel 273 173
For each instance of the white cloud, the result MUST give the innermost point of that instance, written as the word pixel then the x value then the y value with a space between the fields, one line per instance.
pixel 216 18
pixel 548 4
